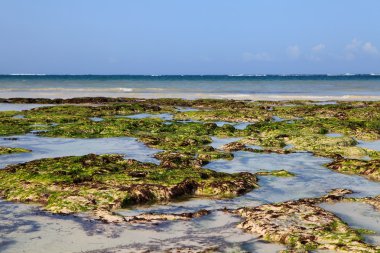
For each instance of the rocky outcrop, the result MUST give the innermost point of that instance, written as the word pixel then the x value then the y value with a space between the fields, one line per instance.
pixel 367 168
pixel 303 226
pixel 111 217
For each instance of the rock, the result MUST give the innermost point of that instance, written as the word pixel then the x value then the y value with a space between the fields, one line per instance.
pixel 301 225
pixel 154 217
pixel 107 216
pixel 233 146
pixel 369 169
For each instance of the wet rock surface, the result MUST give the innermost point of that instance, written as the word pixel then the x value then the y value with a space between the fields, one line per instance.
pixel 106 182
pixel 9 150
pixel 303 226
pixel 370 169
pixel 101 184
pixel 112 217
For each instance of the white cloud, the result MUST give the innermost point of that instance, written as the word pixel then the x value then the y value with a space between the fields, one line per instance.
pixel 370 49
pixel 294 52
pixel 262 56
pixel 318 48
pixel 353 45
pixel 356 48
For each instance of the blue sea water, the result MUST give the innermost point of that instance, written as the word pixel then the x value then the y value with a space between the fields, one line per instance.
pixel 270 87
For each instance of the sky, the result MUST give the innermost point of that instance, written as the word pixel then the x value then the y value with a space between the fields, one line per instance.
pixel 189 37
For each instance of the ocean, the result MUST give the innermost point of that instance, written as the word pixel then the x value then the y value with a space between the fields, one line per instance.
pixel 247 87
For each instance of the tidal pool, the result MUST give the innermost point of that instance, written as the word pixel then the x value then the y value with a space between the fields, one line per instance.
pixel 26 227
pixel 239 126
pixel 334 135
pixel 163 116
pixel 186 109
pixel 311 179
pixel 43 147
pixel 96 119
pixel 374 145
pixel 358 215
pixel 219 142
pixel 20 107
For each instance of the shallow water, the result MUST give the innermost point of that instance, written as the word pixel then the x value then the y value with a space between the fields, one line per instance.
pixel 334 135
pixel 19 116
pixel 311 180
pixel 263 87
pixel 19 107
pixel 358 215
pixel 96 119
pixel 239 126
pixel 26 229
pixel 277 119
pixel 219 142
pixel 163 116
pixel 43 147
pixel 186 109
pixel 374 145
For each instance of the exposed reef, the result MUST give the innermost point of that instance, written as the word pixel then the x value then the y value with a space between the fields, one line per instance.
pixel 303 226
pixel 367 168
pixel 304 125
pixel 108 182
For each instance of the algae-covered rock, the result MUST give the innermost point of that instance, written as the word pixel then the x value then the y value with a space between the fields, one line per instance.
pixel 275 173
pixel 304 128
pixel 367 168
pixel 303 226
pixel 9 150
pixel 94 182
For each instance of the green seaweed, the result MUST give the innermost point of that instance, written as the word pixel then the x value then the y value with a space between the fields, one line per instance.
pixel 9 150
pixel 91 182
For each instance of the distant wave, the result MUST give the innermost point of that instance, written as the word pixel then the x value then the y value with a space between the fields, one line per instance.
pixel 70 89
pixel 192 76
pixel 26 74
pixel 248 75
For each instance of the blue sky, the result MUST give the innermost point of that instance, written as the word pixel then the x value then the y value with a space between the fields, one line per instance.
pixel 189 37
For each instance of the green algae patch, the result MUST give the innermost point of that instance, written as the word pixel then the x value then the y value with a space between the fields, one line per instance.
pixel 12 126
pixel 303 125
pixel 276 173
pixel 363 231
pixel 243 115
pixel 94 182
pixel 9 150
pixel 367 168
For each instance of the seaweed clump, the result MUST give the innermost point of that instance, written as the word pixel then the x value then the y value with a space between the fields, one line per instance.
pixel 107 182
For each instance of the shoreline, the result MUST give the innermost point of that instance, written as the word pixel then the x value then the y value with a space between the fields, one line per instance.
pixel 186 101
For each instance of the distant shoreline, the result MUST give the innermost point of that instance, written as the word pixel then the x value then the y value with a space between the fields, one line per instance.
pixel 179 101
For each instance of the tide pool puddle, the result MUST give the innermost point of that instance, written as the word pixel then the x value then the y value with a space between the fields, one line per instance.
pixel 20 107
pixel 96 119
pixel 374 145
pixel 358 215
pixel 311 179
pixel 334 135
pixel 43 147
pixel 219 142
pixel 163 116
pixel 186 109
pixel 239 125
pixel 25 227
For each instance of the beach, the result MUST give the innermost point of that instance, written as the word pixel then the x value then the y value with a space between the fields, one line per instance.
pixel 98 174
pixel 242 87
